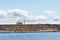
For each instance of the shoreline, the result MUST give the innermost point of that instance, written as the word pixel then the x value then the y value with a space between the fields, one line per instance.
pixel 29 32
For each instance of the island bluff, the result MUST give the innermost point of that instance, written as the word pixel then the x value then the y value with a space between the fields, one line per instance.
pixel 20 27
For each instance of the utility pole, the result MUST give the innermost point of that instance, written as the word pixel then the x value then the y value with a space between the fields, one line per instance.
pixel 24 21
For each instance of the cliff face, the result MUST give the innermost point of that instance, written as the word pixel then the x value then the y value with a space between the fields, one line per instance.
pixel 30 27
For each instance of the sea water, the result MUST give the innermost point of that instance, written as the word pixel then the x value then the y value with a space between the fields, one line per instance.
pixel 30 36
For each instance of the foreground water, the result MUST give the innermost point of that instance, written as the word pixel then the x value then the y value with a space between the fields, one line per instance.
pixel 30 36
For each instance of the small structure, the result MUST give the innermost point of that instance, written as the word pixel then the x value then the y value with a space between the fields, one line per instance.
pixel 18 23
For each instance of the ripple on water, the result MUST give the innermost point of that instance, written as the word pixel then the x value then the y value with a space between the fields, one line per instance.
pixel 30 36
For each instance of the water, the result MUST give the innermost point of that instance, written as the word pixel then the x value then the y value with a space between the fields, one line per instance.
pixel 30 36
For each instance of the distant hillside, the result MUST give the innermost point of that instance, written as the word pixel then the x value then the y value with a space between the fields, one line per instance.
pixel 19 27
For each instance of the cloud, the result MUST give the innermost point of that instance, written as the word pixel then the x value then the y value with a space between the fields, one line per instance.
pixel 57 18
pixel 3 13
pixel 50 13
pixel 18 12
pixel 41 17
pixel 14 15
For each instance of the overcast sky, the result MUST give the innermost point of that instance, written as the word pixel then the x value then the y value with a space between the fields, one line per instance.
pixel 32 11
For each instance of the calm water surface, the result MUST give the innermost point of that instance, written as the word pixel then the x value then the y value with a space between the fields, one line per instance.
pixel 30 36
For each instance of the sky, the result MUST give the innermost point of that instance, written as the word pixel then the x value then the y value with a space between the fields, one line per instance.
pixel 32 11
